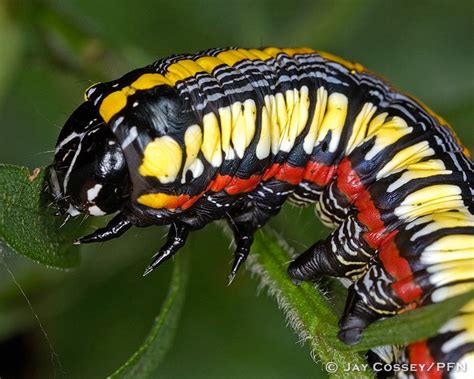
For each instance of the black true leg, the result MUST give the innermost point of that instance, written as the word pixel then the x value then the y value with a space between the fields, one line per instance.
pixel 115 228
pixel 177 236
pixel 356 317
pixel 243 238
pixel 250 215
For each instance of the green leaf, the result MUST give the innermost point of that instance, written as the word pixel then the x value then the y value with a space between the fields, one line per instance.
pixel 307 309
pixel 412 326
pixel 27 226
pixel 147 358
pixel 11 49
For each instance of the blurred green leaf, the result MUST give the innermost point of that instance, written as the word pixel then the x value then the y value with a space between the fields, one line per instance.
pixel 11 46
pixel 307 309
pixel 412 326
pixel 26 225
pixel 147 358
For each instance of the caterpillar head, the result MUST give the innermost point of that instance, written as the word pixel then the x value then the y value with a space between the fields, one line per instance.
pixel 89 174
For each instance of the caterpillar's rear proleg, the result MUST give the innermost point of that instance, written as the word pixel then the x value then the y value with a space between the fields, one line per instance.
pixel 356 317
pixel 343 254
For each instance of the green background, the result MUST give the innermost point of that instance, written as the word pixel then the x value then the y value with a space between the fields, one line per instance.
pixel 98 314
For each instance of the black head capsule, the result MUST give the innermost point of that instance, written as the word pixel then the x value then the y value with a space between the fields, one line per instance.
pixel 89 174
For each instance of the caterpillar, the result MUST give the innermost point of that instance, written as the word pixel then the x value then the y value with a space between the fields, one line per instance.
pixel 233 133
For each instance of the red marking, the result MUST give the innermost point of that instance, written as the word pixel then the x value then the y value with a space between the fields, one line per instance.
pixel 190 201
pixel 314 172
pixel 271 172
pixel 420 355
pixel 319 173
pixel 350 184
pixel 348 181
pixel 290 174
pixel 399 268
pixel 377 239
pixel 238 185
pixel 219 183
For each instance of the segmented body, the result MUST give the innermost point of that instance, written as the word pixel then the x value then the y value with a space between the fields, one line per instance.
pixel 259 127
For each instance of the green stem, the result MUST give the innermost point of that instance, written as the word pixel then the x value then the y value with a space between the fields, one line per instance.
pixel 307 310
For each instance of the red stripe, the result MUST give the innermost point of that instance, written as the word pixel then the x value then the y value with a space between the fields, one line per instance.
pixel 419 354
pixel 348 182
pixel 399 268
pixel 238 185
pixel 314 172
pixel 319 173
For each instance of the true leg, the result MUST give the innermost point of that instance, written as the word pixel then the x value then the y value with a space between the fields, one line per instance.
pixel 115 228
pixel 177 236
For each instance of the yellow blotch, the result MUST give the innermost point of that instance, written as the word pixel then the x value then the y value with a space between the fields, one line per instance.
pixel 319 111
pixel 297 50
pixel 211 146
pixel 360 126
pixel 157 200
pixel 247 54
pixel 303 109
pixel 290 131
pixel 452 247
pixel 408 156
pixel 271 108
pixel 420 170
pixel 209 63
pixel 453 271
pixel 264 143
pixel 260 54
pixel 193 142
pixel 389 133
pixel 225 117
pixel 113 103
pixel 281 114
pixel 191 66
pixel 376 124
pixel 243 125
pixel 250 116
pixel 431 199
pixel 297 108
pixel 334 119
pixel 179 71
pixel 230 57
pixel 446 292
pixel 162 159
pixel 147 81
pixel 272 51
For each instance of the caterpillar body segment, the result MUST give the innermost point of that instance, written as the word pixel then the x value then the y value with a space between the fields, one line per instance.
pixel 234 133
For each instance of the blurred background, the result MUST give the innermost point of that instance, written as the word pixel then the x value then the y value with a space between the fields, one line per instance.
pixel 97 315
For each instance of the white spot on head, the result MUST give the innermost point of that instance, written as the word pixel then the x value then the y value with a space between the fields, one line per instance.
pixel 95 211
pixel 135 104
pixel 93 192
